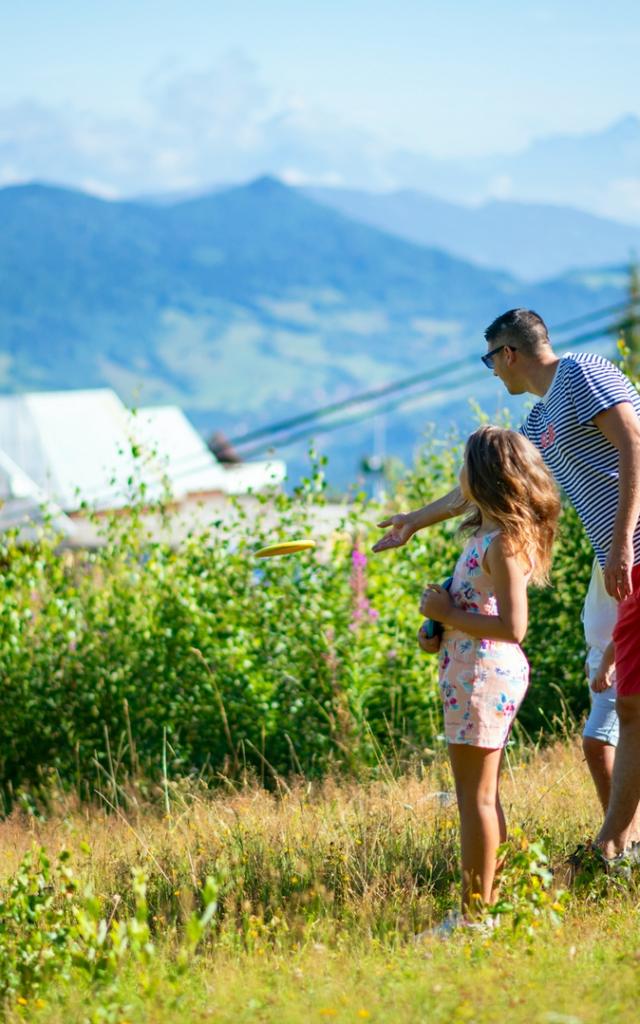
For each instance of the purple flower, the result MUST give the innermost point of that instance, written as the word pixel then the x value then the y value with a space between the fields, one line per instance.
pixel 361 607
pixel 358 558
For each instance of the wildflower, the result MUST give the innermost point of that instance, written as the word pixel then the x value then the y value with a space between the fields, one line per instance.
pixel 358 558
pixel 363 1014
pixel 361 606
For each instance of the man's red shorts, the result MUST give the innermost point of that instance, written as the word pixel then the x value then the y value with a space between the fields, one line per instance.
pixel 626 637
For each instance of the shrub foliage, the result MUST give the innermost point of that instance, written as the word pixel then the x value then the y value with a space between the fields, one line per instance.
pixel 139 657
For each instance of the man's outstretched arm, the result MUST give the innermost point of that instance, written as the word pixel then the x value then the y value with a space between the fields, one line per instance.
pixel 404 525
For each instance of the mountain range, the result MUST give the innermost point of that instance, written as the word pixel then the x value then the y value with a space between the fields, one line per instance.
pixel 533 241
pixel 243 306
pixel 596 171
pixel 191 144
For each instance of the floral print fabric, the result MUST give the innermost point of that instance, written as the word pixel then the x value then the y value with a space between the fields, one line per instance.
pixel 482 682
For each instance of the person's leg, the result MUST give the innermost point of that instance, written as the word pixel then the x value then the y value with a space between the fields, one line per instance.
pixel 482 825
pixel 614 835
pixel 600 757
pixel 633 835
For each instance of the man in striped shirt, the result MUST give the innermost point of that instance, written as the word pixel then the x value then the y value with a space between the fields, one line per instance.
pixel 586 425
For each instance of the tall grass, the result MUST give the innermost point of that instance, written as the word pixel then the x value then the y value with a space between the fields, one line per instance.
pixel 320 889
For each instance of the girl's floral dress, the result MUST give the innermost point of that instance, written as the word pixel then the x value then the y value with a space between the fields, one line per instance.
pixel 482 682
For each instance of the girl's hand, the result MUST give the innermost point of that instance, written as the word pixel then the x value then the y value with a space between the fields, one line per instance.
pixel 435 602
pixel 401 531
pixel 430 645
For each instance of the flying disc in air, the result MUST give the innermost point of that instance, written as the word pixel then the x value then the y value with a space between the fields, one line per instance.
pixel 286 547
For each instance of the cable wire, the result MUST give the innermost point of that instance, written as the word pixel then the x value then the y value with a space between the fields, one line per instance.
pixel 380 392
pixel 200 461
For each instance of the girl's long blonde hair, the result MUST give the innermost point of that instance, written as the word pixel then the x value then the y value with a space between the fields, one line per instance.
pixel 509 482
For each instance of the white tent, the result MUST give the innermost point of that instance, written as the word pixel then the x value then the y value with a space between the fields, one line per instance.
pixel 176 450
pixel 25 506
pixel 86 446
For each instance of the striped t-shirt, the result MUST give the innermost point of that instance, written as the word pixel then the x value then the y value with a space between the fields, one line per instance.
pixel 582 460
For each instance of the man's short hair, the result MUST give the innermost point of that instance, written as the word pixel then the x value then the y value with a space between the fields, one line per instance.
pixel 523 329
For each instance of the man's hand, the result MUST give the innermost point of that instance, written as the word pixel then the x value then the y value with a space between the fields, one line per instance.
pixel 401 531
pixel 430 645
pixel 617 571
pixel 603 679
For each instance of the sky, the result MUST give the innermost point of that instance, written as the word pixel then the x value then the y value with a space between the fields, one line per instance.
pixel 134 95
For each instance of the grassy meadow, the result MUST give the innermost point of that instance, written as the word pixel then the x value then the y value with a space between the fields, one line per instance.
pixel 314 894
pixel 225 793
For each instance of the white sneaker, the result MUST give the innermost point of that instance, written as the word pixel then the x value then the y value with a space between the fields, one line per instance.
pixel 454 922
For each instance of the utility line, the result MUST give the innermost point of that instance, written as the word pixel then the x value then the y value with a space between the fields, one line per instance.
pixel 419 394
pixel 201 461
pixel 324 428
pixel 380 392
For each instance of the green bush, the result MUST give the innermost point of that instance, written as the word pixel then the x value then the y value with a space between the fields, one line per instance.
pixel 143 660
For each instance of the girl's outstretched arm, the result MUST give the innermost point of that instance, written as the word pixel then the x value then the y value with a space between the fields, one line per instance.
pixel 404 525
pixel 510 586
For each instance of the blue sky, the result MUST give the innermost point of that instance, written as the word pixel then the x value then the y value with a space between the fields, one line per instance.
pixel 120 79
pixel 417 72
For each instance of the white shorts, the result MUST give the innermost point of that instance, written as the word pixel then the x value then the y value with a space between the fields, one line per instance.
pixel 602 723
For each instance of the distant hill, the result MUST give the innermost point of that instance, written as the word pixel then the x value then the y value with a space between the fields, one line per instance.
pixel 529 240
pixel 241 306
pixel 596 171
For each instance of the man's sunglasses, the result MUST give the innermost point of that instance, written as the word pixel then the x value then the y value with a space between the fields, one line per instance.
pixel 487 358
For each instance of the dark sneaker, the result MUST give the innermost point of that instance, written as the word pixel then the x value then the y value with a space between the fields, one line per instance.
pixel 622 865
pixel 589 859
pixel 581 860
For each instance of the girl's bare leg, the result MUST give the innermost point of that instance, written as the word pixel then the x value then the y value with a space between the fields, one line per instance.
pixel 482 825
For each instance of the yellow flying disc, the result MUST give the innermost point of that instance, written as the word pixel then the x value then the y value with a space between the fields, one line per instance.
pixel 287 547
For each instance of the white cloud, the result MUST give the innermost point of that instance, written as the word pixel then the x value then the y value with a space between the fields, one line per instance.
pixel 622 199
pixel 295 177
pixel 196 128
pixel 500 187
pixel 102 189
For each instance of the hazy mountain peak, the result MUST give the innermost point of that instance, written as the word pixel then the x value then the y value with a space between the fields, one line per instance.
pixel 627 128
pixel 267 184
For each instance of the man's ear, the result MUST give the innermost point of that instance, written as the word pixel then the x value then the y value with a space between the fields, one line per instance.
pixel 511 354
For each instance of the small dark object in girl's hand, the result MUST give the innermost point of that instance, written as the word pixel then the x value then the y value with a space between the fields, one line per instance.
pixel 430 627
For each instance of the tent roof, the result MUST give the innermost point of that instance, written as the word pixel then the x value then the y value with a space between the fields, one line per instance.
pixel 24 505
pixel 87 446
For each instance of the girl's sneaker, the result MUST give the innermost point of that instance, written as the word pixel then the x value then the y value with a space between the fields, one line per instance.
pixel 456 922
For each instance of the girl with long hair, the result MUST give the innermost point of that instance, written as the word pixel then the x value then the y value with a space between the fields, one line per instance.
pixel 484 674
